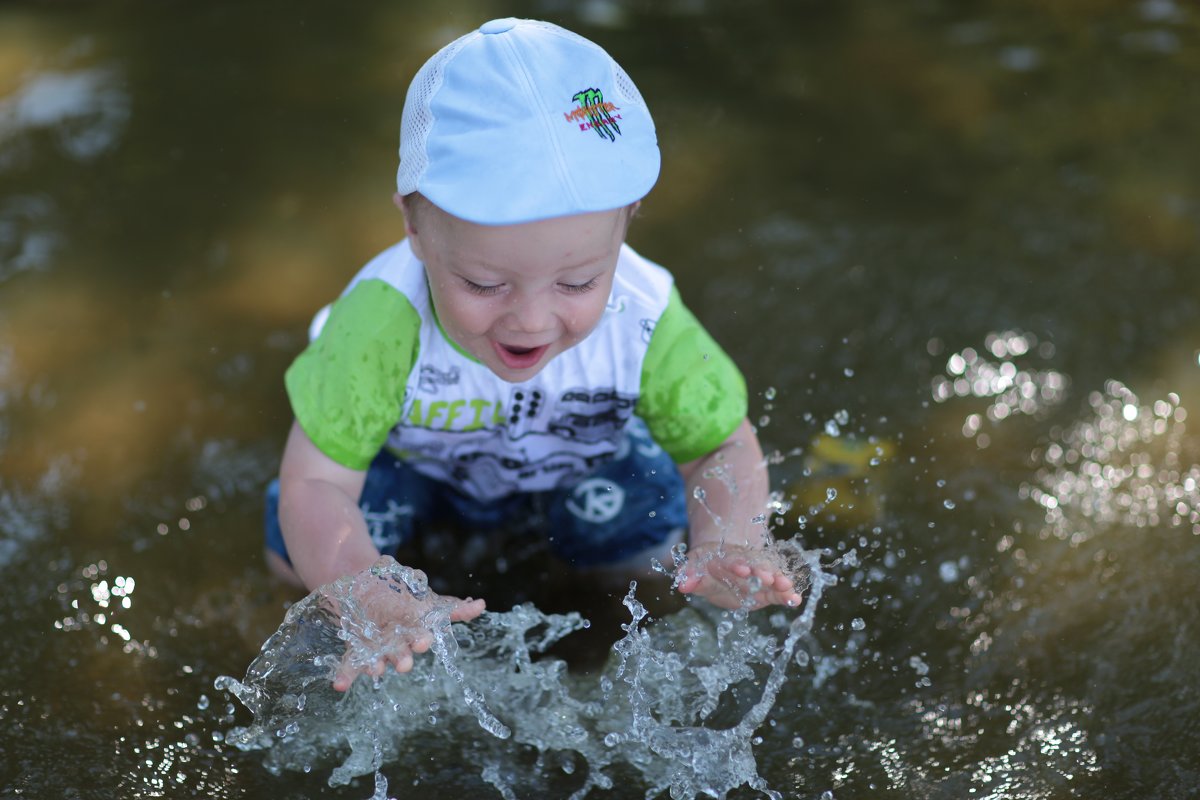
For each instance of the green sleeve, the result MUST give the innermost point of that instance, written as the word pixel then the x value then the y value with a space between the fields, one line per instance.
pixel 347 387
pixel 693 395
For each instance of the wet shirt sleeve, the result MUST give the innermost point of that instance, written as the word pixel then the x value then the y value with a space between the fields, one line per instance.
pixel 347 387
pixel 693 395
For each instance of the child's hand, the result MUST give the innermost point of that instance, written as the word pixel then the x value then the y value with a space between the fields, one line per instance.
pixel 724 574
pixel 386 619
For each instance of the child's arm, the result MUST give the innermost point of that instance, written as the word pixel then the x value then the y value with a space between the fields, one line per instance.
pixel 322 525
pixel 726 546
pixel 327 538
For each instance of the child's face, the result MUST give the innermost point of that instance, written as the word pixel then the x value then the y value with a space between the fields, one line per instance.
pixel 515 296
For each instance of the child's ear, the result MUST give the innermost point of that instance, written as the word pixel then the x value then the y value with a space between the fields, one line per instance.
pixel 402 204
pixel 410 228
pixel 631 212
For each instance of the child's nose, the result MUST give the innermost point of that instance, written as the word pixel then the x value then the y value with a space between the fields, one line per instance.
pixel 531 314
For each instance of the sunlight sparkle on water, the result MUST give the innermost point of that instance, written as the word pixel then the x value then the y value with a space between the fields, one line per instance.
pixel 108 602
pixel 1013 390
pixel 1122 466
pixel 1049 745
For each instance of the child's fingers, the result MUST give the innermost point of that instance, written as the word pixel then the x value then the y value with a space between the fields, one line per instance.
pixel 728 582
pixel 400 659
pixel 467 609
pixel 691 578
pixel 733 581
pixel 344 676
pixel 778 595
pixel 765 576
pixel 403 661
pixel 779 582
pixel 689 583
pixel 420 643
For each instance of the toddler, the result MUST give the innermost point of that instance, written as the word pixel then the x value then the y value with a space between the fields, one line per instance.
pixel 512 355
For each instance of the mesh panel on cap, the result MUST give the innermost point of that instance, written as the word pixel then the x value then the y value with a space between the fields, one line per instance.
pixel 417 120
pixel 625 86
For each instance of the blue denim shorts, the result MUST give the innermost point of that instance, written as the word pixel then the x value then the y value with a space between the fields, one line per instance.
pixel 627 506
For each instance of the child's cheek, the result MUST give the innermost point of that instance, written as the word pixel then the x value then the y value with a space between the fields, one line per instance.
pixel 474 317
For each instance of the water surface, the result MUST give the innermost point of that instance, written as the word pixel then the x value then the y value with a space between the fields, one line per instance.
pixel 958 236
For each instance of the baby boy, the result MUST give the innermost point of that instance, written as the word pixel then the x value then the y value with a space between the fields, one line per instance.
pixel 513 354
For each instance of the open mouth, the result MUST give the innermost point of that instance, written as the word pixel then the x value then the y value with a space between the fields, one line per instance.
pixel 519 357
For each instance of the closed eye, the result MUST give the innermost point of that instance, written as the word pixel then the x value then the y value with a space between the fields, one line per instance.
pixel 578 288
pixel 480 289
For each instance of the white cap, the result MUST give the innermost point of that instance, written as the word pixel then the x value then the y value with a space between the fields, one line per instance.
pixel 522 120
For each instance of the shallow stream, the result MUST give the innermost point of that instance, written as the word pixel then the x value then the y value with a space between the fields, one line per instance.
pixel 952 246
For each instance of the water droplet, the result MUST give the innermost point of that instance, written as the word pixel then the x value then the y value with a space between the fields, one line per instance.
pixel 858 624
pixel 949 504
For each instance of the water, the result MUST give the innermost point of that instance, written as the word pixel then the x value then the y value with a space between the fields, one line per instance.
pixel 951 245
pixel 679 699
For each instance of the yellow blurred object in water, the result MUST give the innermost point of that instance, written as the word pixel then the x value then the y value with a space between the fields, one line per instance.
pixel 842 480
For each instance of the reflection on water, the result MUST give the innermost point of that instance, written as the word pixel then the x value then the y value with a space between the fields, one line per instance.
pixel 28 234
pixel 1012 390
pixel 1126 466
pixel 84 110
pixel 952 246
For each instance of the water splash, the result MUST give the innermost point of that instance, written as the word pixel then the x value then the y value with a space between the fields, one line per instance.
pixel 679 698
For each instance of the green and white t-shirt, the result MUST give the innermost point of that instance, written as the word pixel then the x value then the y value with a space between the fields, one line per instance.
pixel 380 372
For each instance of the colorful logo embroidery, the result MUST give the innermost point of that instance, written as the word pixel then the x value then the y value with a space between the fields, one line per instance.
pixel 594 113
